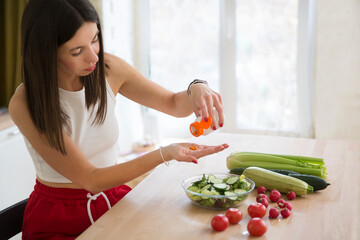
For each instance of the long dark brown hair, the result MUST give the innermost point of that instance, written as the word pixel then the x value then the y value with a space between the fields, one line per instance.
pixel 46 25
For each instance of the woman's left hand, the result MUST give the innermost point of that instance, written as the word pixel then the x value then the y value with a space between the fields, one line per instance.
pixel 204 100
pixel 190 152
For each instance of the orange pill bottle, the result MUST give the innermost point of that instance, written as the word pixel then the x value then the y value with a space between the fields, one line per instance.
pixel 201 128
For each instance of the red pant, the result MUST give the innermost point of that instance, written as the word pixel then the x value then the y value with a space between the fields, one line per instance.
pixel 61 213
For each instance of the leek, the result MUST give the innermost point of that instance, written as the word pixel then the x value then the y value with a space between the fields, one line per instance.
pixel 300 164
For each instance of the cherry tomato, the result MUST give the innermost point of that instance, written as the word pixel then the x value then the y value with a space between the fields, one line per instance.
pixel 220 222
pixel 256 210
pixel 234 215
pixel 256 227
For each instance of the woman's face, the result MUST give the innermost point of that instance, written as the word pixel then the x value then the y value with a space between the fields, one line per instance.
pixel 79 55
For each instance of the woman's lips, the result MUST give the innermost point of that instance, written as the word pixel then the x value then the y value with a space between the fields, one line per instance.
pixel 90 69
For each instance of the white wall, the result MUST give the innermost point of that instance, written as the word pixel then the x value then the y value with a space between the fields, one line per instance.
pixel 17 173
pixel 337 70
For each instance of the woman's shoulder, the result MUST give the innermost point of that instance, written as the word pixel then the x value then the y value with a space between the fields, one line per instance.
pixel 117 71
pixel 17 104
pixel 19 96
pixel 115 63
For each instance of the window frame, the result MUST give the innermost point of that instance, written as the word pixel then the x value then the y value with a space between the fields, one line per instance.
pixel 304 69
pixel 227 63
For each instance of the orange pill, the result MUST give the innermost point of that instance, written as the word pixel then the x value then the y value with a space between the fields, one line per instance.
pixel 193 148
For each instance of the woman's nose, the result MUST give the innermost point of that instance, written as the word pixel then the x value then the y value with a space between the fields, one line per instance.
pixel 93 57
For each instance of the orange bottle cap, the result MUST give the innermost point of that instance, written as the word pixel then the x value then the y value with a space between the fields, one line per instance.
pixel 197 128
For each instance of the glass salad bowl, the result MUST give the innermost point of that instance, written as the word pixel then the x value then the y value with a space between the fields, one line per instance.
pixel 218 190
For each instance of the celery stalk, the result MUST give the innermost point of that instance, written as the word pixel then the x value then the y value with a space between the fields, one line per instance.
pixel 294 157
pixel 274 159
pixel 300 164
pixel 314 160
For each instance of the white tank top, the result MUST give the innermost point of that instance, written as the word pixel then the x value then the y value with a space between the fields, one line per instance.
pixel 97 142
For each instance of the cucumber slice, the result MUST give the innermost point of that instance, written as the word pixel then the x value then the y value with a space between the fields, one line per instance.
pixel 211 177
pixel 239 191
pixel 232 195
pixel 245 185
pixel 196 198
pixel 216 181
pixel 206 187
pixel 221 186
pixel 205 192
pixel 193 188
pixel 214 192
pixel 233 180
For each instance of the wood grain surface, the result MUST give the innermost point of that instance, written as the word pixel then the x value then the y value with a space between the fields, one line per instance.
pixel 157 208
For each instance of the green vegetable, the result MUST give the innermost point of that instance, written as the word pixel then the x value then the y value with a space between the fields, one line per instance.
pixel 284 172
pixel 272 180
pixel 240 171
pixel 237 170
pixel 299 164
pixel 233 180
pixel 221 192
pixel 316 182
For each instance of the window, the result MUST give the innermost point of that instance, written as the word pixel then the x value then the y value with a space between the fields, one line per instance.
pixel 266 48
pixel 257 53
pixel 184 45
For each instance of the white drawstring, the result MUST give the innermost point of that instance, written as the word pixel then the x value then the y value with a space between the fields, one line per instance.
pixel 94 197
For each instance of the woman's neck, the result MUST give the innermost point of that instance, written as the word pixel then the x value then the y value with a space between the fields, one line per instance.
pixel 71 84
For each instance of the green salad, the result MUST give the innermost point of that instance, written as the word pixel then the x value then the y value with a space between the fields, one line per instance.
pixel 220 192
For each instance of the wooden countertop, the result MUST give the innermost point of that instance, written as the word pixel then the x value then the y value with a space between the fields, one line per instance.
pixel 158 208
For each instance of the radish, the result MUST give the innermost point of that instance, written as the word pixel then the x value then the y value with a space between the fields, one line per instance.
pixel 281 203
pixel 264 201
pixel 288 206
pixel 261 189
pixel 275 195
pixel 285 213
pixel 260 196
pixel 273 213
pixel 291 195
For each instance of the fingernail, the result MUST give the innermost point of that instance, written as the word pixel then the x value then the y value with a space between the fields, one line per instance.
pixel 214 128
pixel 221 124
pixel 206 119
pixel 194 161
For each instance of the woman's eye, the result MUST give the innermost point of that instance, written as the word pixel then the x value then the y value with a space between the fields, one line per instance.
pixel 76 53
pixel 95 39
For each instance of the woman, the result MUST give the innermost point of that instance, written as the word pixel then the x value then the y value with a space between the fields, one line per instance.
pixel 65 111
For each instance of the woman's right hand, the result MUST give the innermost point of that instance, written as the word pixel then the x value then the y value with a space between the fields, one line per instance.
pixel 190 152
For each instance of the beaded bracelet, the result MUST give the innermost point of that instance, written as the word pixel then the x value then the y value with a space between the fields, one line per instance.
pixel 162 157
pixel 195 82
